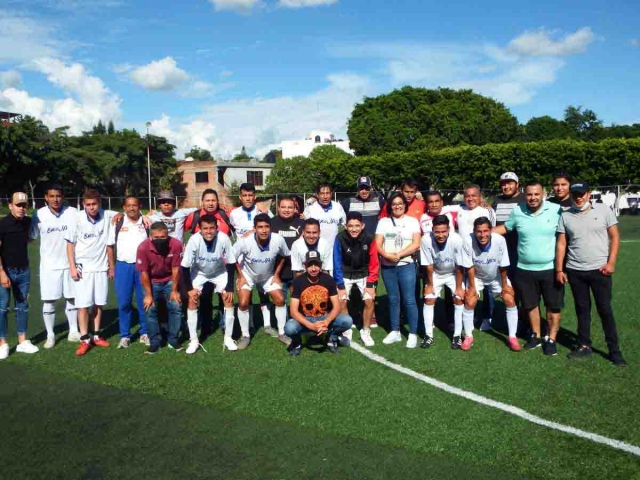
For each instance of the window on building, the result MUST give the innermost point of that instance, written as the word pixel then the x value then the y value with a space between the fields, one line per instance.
pixel 318 139
pixel 202 177
pixel 255 178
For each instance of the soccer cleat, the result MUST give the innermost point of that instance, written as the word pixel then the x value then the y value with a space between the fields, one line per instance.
pixel 229 344
pixel 392 337
pixel 365 337
pixel 332 346
pixel 467 343
pixel 514 345
pixel 427 341
pixel 98 341
pixel 344 341
pixel 582 352
pixel 456 343
pixel 175 346
pixel 533 342
pixel 550 348
pixel 27 347
pixel 4 351
pixel 284 339
pixel 50 343
pixel 486 325
pixel 73 337
pixel 272 332
pixel 144 339
pixel 152 350
pixel 617 359
pixel 412 340
pixel 125 342
pixel 83 348
pixel 244 342
pixel 193 347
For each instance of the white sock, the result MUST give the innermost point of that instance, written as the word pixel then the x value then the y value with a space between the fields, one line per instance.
pixel 192 323
pixel 72 317
pixel 457 320
pixel 243 320
pixel 512 320
pixel 49 316
pixel 228 321
pixel 281 318
pixel 467 321
pixel 427 313
pixel 266 315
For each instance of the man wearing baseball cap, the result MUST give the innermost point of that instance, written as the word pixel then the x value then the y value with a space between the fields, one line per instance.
pixel 172 218
pixel 589 241
pixel 366 202
pixel 315 308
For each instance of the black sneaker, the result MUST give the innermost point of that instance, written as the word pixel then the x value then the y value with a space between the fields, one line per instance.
pixel 534 342
pixel 176 346
pixel 344 341
pixel 152 350
pixel 617 359
pixel 427 341
pixel 294 352
pixel 550 348
pixel 332 346
pixel 582 352
pixel 456 343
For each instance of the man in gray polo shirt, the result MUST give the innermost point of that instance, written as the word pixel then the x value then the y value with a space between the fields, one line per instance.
pixel 588 236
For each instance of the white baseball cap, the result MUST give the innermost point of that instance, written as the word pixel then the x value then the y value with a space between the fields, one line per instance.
pixel 508 176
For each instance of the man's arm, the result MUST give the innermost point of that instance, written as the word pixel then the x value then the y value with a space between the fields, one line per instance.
pixel 175 283
pixel 459 283
pixel 71 258
pixel 336 309
pixel 279 264
pixel 614 248
pixel 500 230
pixel 428 288
pixel 471 281
pixel 111 261
pixel 4 278
pixel 147 303
pixel 337 265
pixel 506 288
pixel 561 251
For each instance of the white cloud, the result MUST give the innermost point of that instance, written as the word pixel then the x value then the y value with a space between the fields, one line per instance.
pixel 540 43
pixel 305 3
pixel 159 75
pixel 23 38
pixel 242 6
pixel 10 79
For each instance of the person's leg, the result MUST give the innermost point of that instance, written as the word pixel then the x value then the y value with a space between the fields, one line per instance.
pixel 468 312
pixel 49 318
pixel 582 303
pixel 390 278
pixel 142 318
pixel 277 297
pixel 153 325
pixel 20 281
pixel 601 285
pixel 124 291
pixel 192 319
pixel 69 293
pixel 294 331
pixel 244 300
pixel 5 297
pixel 341 324
pixel 553 295
pixel 488 305
pixel 407 284
pixel 205 310
pixel 174 315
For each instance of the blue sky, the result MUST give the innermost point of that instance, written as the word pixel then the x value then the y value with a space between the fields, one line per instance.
pixel 223 74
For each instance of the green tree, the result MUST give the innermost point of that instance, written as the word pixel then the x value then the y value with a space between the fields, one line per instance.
pixel 111 129
pixel 584 123
pixel 99 129
pixel 242 156
pixel 547 128
pixel 199 154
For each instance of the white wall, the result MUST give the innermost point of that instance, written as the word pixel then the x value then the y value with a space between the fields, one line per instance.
pixel 239 175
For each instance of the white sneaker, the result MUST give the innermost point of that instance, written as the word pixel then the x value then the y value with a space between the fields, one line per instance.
pixel 412 341
pixel 27 347
pixel 50 343
pixel 392 337
pixel 144 339
pixel 486 325
pixel 125 342
pixel 365 336
pixel 73 337
pixel 193 347
pixel 4 351
pixel 348 334
pixel 229 344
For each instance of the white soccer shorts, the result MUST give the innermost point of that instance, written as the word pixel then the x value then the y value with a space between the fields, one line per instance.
pixel 441 281
pixel 219 282
pixel 56 284
pixel 265 286
pixel 495 286
pixel 361 283
pixel 92 289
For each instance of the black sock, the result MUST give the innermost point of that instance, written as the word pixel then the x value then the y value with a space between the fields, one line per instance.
pixel 84 337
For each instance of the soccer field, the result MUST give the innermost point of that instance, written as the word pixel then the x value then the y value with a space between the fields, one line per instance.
pixel 260 414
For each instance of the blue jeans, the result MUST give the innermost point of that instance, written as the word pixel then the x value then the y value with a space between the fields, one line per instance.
pixel 174 313
pixel 285 291
pixel 401 282
pixel 20 280
pixel 126 279
pixel 341 324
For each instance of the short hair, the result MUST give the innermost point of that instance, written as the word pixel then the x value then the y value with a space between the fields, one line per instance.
pixel 355 216
pixel 289 198
pixel 322 185
pixel 409 182
pixel 441 220
pixel 209 191
pixel 390 200
pixel 261 217
pixel 247 187
pixel 130 196
pixel 158 226
pixel 469 186
pixel 208 218
pixel 564 175
pixel 91 194
pixel 433 193
pixel 53 186
pixel 310 221
pixel 481 221
pixel 533 183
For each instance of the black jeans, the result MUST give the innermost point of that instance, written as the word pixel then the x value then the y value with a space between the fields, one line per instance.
pixel 582 284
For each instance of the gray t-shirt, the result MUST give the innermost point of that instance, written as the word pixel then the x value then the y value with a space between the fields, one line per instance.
pixel 587 236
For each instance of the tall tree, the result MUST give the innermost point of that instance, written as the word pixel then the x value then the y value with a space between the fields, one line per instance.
pixel 199 154
pixel 547 128
pixel 584 123
pixel 111 129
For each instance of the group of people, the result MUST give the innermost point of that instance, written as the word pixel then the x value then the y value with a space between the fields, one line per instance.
pixel 323 261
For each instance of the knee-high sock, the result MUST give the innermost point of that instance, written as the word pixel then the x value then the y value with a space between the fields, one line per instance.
pixel 512 320
pixel 72 317
pixel 467 321
pixel 228 321
pixel 192 323
pixel 49 316
pixel 266 315
pixel 457 320
pixel 243 320
pixel 427 313
pixel 281 318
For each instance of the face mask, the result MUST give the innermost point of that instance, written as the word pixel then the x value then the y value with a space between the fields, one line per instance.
pixel 582 208
pixel 161 244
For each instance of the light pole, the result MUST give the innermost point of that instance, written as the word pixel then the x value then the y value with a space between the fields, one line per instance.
pixel 148 124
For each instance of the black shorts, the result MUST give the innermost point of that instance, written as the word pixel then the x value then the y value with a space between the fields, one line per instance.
pixel 531 285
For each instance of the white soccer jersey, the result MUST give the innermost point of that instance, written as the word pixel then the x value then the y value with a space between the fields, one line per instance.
pixel 443 258
pixel 208 263
pixel 242 220
pixel 330 218
pixel 130 236
pixel 175 222
pixel 299 250
pixel 91 238
pixel 466 218
pixel 486 261
pixel 256 262
pixel 51 229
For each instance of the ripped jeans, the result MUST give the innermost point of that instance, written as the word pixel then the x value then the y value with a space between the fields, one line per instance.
pixel 20 280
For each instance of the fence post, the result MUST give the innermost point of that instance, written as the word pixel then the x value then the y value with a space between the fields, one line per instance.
pixel 109 198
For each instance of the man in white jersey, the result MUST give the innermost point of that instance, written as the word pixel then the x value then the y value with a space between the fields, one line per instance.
pixel 209 263
pixel 472 210
pixel 310 240
pixel 260 258
pixel 329 213
pixel 241 218
pixel 435 207
pixel 91 265
pixel 440 253
pixel 50 224
pixel 486 260
pixel 172 218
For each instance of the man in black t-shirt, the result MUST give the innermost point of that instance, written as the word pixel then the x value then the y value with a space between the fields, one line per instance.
pixel 561 194
pixel 289 226
pixel 315 308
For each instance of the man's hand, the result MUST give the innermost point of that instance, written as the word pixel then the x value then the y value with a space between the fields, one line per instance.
pixel 342 294
pixel 608 270
pixel 241 282
pixel 320 328
pixel 194 295
pixel 428 290
pixel 4 279
pixel 116 218
pixel 175 297
pixel 460 293
pixel 248 234
pixel 227 297
pixel 147 302
pixel 112 273
pixel 561 278
pixel 146 221
pixel 75 274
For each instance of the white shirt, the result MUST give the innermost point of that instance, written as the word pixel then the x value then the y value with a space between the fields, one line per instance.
pixel 299 250
pixel 175 222
pixel 91 238
pixel 444 259
pixel 256 262
pixel 487 261
pixel 466 218
pixel 450 211
pixel 329 218
pixel 130 236
pixel 397 237
pixel 208 263
pixel 242 220
pixel 51 229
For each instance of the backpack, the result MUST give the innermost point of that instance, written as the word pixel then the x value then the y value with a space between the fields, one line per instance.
pixel 223 215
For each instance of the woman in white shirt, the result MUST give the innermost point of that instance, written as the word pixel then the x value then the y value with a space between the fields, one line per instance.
pixel 397 239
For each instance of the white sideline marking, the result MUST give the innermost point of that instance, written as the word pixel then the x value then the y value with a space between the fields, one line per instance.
pixel 629 241
pixel 594 437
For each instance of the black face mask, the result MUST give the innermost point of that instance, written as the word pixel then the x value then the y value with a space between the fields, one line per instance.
pixel 161 244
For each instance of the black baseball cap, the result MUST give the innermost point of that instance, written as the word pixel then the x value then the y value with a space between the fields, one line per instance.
pixel 579 187
pixel 364 181
pixel 311 257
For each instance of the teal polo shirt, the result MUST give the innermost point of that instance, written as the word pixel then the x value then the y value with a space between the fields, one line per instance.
pixel 536 235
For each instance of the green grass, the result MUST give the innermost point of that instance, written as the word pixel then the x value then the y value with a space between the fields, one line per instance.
pixel 260 414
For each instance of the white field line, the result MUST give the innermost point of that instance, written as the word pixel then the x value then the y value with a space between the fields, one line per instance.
pixel 594 437
pixel 629 241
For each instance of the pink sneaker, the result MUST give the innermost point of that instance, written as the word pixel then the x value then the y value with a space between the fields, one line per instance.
pixel 513 344
pixel 467 343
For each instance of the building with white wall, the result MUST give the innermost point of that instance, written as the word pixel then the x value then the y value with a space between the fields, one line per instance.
pixel 315 138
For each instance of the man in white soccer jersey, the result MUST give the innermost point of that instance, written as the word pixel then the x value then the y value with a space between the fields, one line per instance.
pixel 486 260
pixel 328 212
pixel 242 217
pixel 50 224
pixel 208 264
pixel 260 258
pixel 310 240
pixel 91 265
pixel 440 253
pixel 172 218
